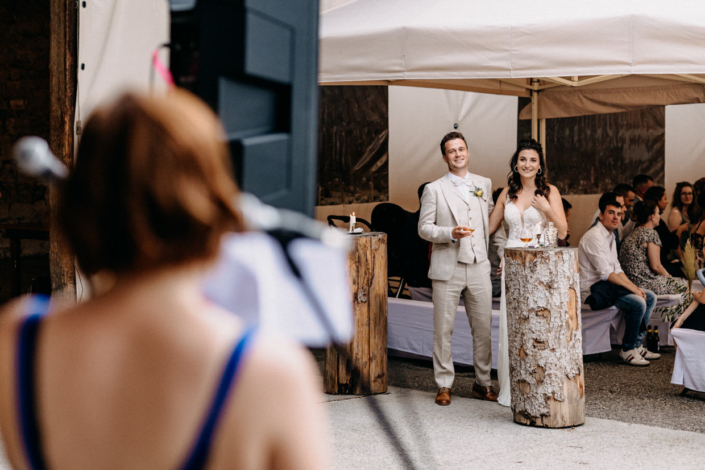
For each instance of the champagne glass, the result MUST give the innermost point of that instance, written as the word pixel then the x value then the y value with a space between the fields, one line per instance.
pixel 526 236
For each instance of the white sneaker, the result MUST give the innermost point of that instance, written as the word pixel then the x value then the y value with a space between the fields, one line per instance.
pixel 646 354
pixel 633 357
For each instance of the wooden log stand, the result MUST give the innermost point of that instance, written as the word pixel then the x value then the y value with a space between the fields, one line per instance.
pixel 361 369
pixel 544 336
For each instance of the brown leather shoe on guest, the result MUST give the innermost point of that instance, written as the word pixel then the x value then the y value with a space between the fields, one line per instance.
pixel 443 397
pixel 483 393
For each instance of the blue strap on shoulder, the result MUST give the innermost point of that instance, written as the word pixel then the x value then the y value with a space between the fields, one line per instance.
pixel 26 396
pixel 199 454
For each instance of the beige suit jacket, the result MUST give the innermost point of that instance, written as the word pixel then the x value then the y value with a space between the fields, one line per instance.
pixel 439 214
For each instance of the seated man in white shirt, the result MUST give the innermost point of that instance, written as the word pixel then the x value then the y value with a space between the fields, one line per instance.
pixel 611 196
pixel 597 254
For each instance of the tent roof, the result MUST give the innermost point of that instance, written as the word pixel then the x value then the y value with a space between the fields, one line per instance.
pixel 583 52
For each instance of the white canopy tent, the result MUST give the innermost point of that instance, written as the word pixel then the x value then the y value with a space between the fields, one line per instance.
pixel 580 58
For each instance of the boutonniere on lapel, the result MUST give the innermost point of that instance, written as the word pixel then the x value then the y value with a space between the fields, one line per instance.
pixel 479 193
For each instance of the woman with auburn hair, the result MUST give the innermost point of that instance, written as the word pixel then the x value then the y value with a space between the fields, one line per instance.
pixel 149 373
pixel 527 200
pixel 681 206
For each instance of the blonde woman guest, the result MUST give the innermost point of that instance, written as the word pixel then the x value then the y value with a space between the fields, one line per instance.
pixel 149 373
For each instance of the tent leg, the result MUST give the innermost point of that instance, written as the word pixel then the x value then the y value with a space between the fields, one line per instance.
pixel 534 114
pixel 542 135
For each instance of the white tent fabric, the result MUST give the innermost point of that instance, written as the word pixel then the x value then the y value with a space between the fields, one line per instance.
pixel 488 123
pixel 685 146
pixel 116 41
pixel 497 47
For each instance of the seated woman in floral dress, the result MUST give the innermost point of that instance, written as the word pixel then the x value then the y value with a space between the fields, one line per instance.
pixel 641 261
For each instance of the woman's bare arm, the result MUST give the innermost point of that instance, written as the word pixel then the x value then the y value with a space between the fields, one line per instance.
pixel 674 219
pixel 654 255
pixel 699 299
pixel 497 215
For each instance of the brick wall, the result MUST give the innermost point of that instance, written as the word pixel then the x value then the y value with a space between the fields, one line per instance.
pixel 24 110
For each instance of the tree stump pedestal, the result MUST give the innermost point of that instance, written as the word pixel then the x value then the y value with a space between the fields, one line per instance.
pixel 544 335
pixel 361 369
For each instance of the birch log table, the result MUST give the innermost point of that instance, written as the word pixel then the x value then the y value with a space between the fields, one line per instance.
pixel 545 341
pixel 361 368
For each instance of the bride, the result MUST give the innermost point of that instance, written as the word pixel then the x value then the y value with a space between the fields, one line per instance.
pixel 527 200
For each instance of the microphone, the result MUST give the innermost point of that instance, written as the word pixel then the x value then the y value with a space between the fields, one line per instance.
pixel 34 158
pixel 286 225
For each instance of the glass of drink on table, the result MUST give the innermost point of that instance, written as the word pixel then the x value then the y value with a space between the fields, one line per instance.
pixel 526 236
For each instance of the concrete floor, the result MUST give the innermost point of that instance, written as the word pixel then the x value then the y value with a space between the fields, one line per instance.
pixel 480 435
pixel 635 419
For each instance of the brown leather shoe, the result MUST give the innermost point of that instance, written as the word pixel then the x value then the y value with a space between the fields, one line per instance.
pixel 443 397
pixel 483 393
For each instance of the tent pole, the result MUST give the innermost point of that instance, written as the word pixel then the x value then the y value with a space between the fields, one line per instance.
pixel 534 115
pixel 542 135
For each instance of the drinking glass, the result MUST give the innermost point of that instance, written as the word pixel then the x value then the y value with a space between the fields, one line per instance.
pixel 526 236
pixel 471 226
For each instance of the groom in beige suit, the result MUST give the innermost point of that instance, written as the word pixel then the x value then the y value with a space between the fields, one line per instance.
pixel 451 207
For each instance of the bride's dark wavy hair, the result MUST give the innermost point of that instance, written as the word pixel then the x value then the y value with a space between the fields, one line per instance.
pixel 513 178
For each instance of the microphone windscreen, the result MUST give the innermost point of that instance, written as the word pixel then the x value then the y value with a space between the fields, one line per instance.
pixel 34 158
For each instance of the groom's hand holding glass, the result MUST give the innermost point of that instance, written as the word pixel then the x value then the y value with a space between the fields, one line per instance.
pixel 462 231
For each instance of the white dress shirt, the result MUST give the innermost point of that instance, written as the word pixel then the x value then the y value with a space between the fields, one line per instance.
pixel 465 190
pixel 597 255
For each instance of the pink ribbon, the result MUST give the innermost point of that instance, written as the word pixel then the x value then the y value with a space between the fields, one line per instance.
pixel 161 68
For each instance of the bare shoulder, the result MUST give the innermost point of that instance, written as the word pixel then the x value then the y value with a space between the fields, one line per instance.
pixel 277 407
pixel 554 190
pixel 280 360
pixel 12 313
pixel 502 199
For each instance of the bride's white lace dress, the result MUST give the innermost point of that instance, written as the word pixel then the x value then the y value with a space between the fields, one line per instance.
pixel 515 221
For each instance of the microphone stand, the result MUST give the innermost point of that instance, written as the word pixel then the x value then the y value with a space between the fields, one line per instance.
pixel 284 238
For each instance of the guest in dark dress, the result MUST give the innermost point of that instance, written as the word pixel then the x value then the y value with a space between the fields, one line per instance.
pixel 693 318
pixel 681 206
pixel 416 251
pixel 669 240
pixel 567 206
pixel 694 232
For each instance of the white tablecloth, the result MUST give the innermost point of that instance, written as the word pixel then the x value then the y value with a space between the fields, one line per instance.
pixel 689 367
pixel 410 329
pixel 603 328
